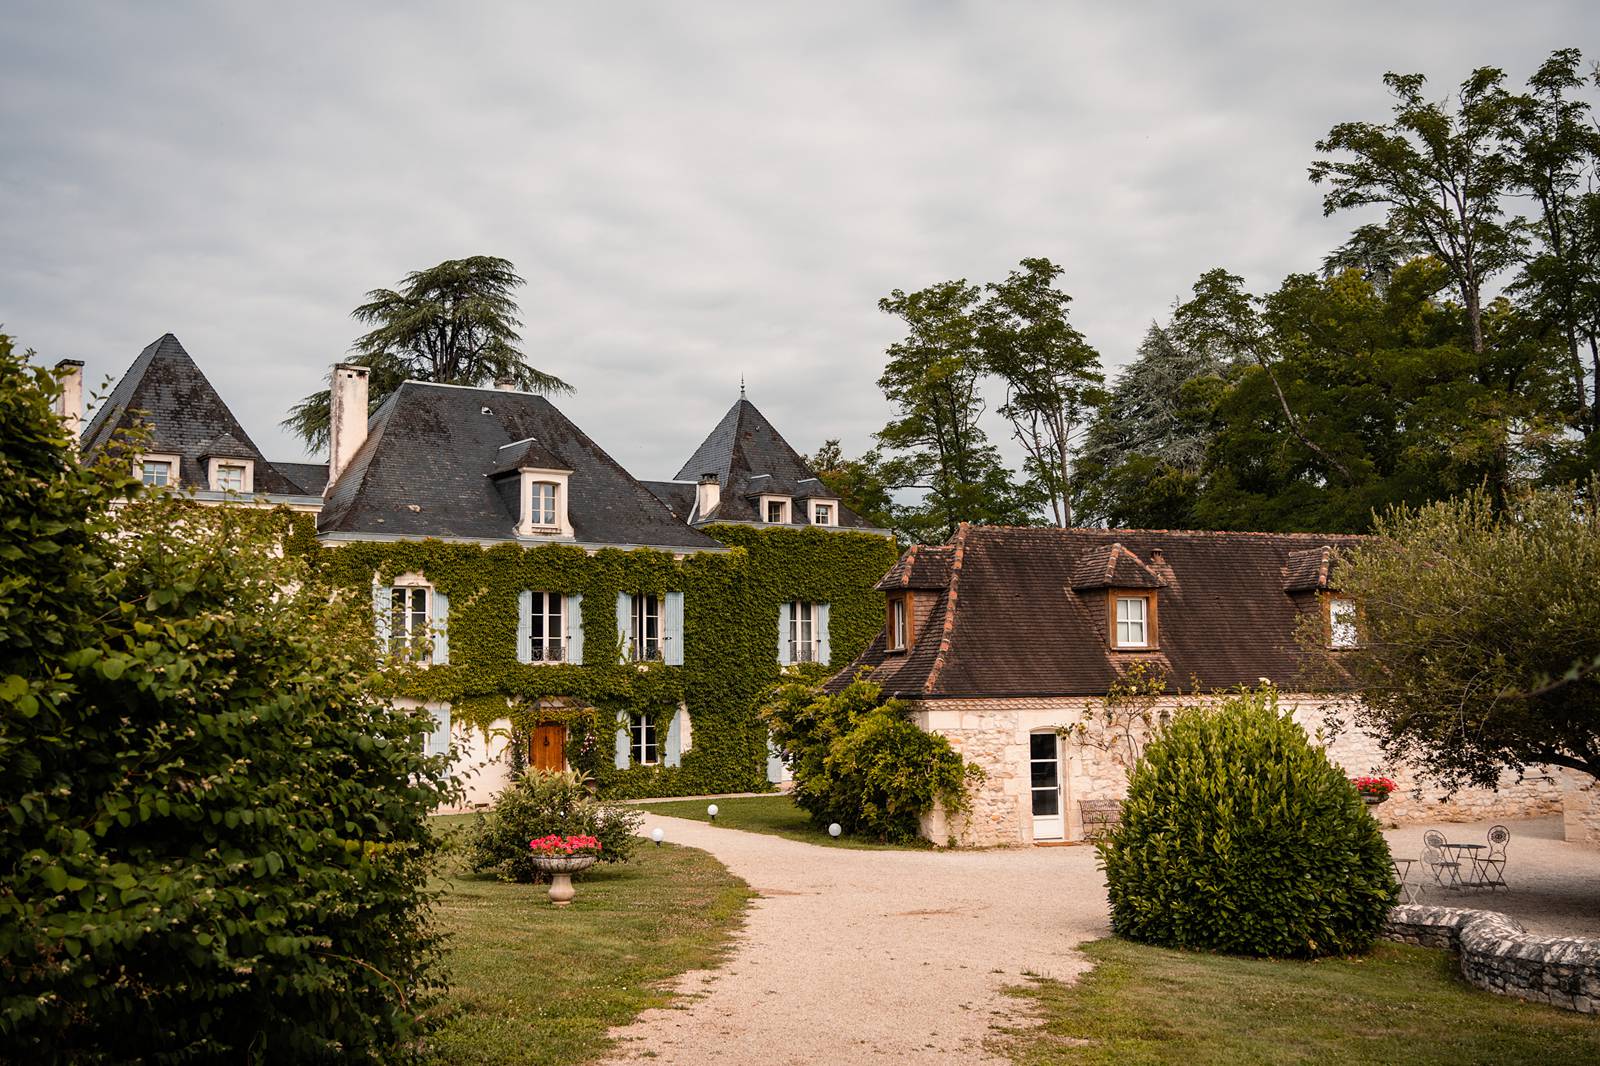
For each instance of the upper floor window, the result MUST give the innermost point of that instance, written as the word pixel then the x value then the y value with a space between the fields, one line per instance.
pixel 803 632
pixel 646 628
pixel 156 472
pixel 775 509
pixel 822 514
pixel 542 504
pixel 1342 622
pixel 642 748
pixel 545 628
pixel 1133 622
pixel 229 478
pixel 898 629
pixel 410 615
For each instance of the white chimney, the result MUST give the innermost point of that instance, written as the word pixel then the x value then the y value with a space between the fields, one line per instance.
pixel 69 403
pixel 506 384
pixel 707 495
pixel 347 418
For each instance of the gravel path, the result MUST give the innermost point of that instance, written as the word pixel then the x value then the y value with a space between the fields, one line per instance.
pixel 872 956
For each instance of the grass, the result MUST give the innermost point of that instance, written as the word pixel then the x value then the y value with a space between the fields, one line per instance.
pixel 533 983
pixel 1399 1004
pixel 774 815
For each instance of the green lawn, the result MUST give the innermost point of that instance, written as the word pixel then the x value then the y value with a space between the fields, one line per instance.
pixel 533 983
pixel 1398 1005
pixel 776 815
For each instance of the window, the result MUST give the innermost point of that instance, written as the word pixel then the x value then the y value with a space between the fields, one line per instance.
pixel 1342 622
pixel 408 619
pixel 229 478
pixel 897 624
pixel 803 632
pixel 822 514
pixel 646 631
pixel 542 504
pixel 642 739
pixel 544 624
pixel 1132 622
pixel 777 510
pixel 156 472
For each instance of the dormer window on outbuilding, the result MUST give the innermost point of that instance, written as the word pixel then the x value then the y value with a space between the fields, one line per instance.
pixel 1130 588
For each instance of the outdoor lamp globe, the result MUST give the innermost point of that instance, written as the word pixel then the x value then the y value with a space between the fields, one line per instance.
pixel 835 829
pixel 712 810
pixel 658 835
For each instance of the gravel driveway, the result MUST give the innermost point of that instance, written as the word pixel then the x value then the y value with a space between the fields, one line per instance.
pixel 872 956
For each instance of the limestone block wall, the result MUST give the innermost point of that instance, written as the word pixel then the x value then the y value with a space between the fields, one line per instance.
pixel 1580 796
pixel 994 734
pixel 1499 955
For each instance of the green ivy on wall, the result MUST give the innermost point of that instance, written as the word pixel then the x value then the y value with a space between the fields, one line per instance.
pixel 731 604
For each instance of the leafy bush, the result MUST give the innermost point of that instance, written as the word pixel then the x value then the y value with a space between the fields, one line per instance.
pixel 216 843
pixel 1238 835
pixel 860 761
pixel 540 803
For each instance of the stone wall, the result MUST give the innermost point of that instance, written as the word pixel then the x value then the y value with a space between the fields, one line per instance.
pixel 1580 801
pixel 994 735
pixel 1499 955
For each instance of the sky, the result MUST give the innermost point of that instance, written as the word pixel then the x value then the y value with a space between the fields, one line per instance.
pixel 695 192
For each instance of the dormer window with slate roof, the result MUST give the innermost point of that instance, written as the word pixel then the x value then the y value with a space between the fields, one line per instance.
pixel 157 471
pixel 542 482
pixel 824 512
pixel 775 509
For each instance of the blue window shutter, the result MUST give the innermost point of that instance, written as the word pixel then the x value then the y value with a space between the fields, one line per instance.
pixel 824 651
pixel 382 621
pixel 624 623
pixel 774 764
pixel 575 628
pixel 622 740
pixel 784 658
pixel 675 739
pixel 441 629
pixel 439 739
pixel 672 655
pixel 525 626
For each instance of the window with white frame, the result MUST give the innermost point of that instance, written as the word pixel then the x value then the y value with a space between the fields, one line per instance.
pixel 1342 622
pixel 642 749
pixel 804 638
pixel 545 628
pixel 410 615
pixel 156 472
pixel 897 624
pixel 822 514
pixel 1133 622
pixel 646 628
pixel 229 477
pixel 775 508
pixel 542 505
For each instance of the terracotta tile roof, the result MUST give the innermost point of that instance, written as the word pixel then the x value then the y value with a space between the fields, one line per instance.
pixel 1308 569
pixel 1014 618
pixel 923 566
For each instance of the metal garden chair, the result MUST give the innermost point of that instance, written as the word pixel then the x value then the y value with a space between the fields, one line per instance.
pixel 1446 871
pixel 1492 867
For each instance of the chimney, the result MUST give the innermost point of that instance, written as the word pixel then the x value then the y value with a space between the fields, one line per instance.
pixel 505 384
pixel 707 495
pixel 69 403
pixel 347 418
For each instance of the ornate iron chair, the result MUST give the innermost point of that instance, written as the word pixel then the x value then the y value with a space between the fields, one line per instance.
pixel 1446 871
pixel 1492 867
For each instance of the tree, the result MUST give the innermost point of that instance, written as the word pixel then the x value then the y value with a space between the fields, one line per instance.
pixel 859 483
pixel 932 380
pixel 1051 373
pixel 1479 631
pixel 216 842
pixel 1439 171
pixel 1376 251
pixel 455 324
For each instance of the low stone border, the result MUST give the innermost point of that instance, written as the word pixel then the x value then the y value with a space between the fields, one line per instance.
pixel 1499 955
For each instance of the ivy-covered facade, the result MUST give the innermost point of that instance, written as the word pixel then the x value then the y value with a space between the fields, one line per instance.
pixel 562 612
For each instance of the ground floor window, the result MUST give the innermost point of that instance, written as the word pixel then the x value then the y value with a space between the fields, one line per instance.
pixel 642 740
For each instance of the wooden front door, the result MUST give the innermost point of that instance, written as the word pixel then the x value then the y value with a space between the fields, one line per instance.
pixel 548 748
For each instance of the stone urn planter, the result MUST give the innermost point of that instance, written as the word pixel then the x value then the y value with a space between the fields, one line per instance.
pixel 561 868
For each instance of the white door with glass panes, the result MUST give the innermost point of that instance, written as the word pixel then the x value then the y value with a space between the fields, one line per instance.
pixel 1044 765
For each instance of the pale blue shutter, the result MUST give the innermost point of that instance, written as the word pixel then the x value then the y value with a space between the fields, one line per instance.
pixel 774 764
pixel 441 629
pixel 624 621
pixel 675 739
pixel 824 651
pixel 525 626
pixel 672 654
pixel 622 740
pixel 575 628
pixel 784 658
pixel 382 620
pixel 439 739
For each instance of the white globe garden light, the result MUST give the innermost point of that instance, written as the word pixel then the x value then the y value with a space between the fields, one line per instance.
pixel 712 811
pixel 835 829
pixel 658 835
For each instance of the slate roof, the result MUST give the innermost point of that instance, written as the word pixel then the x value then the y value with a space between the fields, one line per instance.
pixel 679 496
pixel 1012 620
pixel 166 391
pixel 750 457
pixel 426 470
pixel 311 477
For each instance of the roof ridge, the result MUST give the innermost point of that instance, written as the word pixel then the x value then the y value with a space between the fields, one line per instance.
pixel 1167 532
pixel 959 542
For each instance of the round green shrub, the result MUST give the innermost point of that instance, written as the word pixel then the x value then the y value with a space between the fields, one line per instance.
pixel 1238 835
pixel 541 802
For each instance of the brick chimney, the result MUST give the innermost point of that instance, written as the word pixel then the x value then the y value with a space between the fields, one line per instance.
pixel 347 418
pixel 69 404
pixel 707 495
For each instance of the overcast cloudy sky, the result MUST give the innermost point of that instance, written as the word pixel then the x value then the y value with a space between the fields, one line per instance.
pixel 693 191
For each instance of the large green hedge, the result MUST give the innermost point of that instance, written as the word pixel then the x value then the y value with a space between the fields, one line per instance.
pixel 1239 835
pixel 731 603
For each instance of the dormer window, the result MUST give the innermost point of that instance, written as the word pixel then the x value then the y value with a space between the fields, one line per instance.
pixel 775 509
pixel 545 499
pixel 157 473
pixel 542 504
pixel 1133 618
pixel 229 477
pixel 824 513
pixel 1342 622
pixel 898 626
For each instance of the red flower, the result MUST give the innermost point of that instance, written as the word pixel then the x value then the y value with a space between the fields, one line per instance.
pixel 555 844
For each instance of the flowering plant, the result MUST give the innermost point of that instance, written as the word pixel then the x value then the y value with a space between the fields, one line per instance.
pixel 556 844
pixel 1373 786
